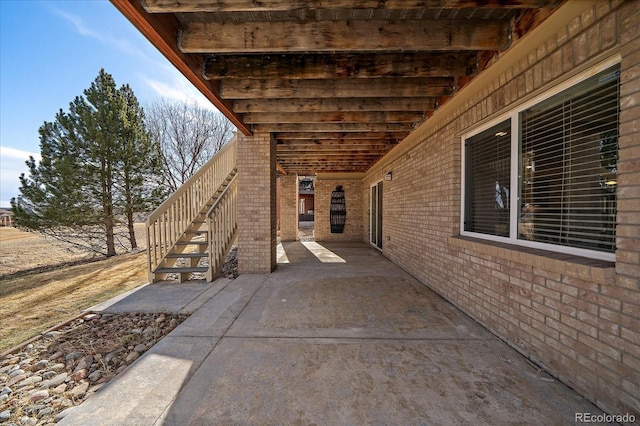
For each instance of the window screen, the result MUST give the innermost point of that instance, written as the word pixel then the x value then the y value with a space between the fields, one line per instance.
pixel 488 181
pixel 568 166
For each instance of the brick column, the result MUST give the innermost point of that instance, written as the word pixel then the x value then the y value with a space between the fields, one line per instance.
pixel 289 208
pixel 256 203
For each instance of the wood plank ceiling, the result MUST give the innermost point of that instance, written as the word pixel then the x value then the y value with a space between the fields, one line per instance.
pixel 339 82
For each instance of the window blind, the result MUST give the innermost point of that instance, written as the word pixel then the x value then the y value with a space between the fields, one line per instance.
pixel 568 165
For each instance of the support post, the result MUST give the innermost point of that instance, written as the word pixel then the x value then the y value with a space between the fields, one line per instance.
pixel 256 203
pixel 289 207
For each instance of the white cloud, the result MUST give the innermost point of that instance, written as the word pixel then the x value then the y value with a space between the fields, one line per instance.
pixel 175 86
pixel 162 78
pixel 166 80
pixel 83 29
pixel 78 23
pixel 9 153
pixel 11 167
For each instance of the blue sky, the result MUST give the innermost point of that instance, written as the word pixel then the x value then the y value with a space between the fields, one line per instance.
pixel 50 51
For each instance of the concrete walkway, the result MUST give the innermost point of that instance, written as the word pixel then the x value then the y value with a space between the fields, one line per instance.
pixel 338 335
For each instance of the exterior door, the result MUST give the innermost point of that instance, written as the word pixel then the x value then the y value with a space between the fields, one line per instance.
pixel 375 215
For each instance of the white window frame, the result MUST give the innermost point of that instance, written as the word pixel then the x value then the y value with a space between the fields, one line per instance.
pixel 513 116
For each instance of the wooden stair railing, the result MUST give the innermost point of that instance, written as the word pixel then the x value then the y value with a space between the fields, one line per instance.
pixel 170 228
pixel 222 228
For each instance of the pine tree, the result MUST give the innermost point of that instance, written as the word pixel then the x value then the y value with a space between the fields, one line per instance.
pixel 96 164
pixel 97 127
pixel 140 166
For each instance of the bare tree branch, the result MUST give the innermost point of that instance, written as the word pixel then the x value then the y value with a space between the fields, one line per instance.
pixel 188 136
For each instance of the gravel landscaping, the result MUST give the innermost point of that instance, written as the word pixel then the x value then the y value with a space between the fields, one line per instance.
pixel 67 366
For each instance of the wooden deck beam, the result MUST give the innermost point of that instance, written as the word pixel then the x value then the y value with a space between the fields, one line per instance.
pixel 341 88
pixel 337 136
pixel 334 104
pixel 332 127
pixel 343 36
pixel 334 117
pixel 345 65
pixel 184 6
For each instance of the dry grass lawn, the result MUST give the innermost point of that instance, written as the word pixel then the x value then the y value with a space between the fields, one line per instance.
pixel 20 251
pixel 31 303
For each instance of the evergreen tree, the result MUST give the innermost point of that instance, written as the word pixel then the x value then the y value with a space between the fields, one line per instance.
pixel 94 167
pixel 140 167
pixel 97 128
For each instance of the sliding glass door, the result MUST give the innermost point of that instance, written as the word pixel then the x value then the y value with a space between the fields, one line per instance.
pixel 375 215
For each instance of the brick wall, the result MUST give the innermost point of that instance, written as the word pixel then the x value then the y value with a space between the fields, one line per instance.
pixel 289 208
pixel 579 318
pixel 353 199
pixel 256 204
pixel 625 313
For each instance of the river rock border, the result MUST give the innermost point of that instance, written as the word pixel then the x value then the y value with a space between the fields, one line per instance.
pixel 64 367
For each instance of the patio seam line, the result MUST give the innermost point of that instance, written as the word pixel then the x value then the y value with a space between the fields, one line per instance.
pixel 239 313
pixel 392 339
pixel 159 419
pixel 195 297
pixel 210 286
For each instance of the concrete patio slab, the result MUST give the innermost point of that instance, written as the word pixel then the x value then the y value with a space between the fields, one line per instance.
pixel 368 306
pixel 165 296
pixel 381 382
pixel 108 303
pixel 352 342
pixel 215 317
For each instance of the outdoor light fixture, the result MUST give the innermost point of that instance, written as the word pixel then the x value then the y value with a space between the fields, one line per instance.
pixel 388 176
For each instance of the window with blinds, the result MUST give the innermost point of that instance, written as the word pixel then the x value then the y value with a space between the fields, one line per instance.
pixel 488 181
pixel 566 160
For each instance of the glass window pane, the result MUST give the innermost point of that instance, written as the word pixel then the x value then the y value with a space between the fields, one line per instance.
pixel 488 181
pixel 568 166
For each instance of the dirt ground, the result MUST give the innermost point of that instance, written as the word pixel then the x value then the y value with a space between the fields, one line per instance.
pixel 33 302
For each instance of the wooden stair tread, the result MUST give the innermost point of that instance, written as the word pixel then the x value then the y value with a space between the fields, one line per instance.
pixel 181 270
pixel 187 255
pixel 192 243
